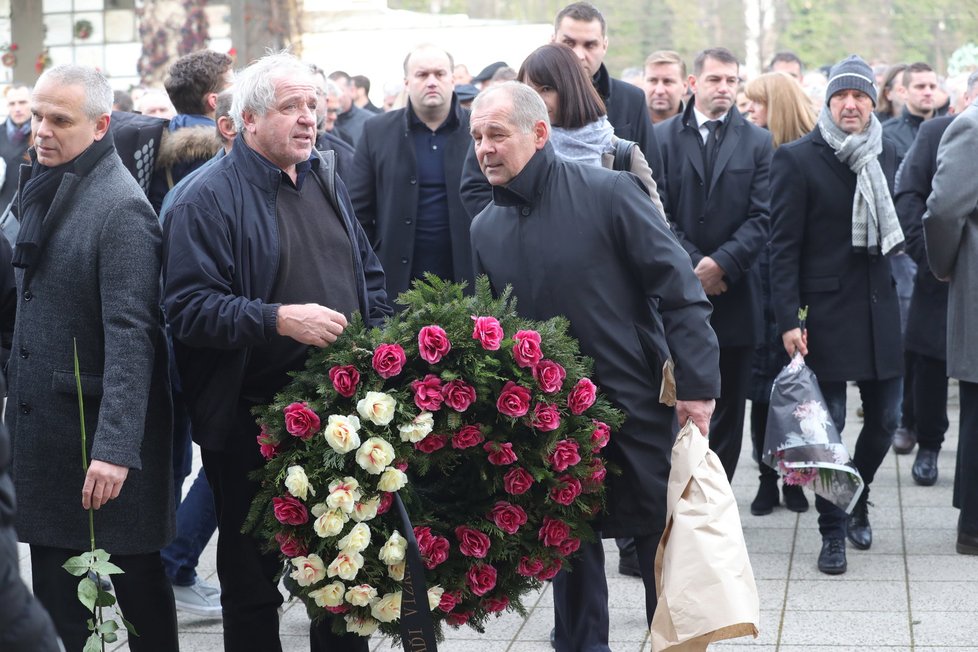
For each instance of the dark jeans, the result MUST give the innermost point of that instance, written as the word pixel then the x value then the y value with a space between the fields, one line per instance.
pixel 966 467
pixel 930 401
pixel 880 400
pixel 143 591
pixel 908 402
pixel 249 593
pixel 727 425
pixel 758 426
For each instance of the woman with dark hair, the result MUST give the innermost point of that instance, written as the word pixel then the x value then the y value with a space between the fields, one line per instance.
pixel 891 95
pixel 580 131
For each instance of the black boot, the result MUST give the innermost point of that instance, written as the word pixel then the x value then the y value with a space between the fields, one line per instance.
pixel 924 470
pixel 832 559
pixel 794 497
pixel 767 496
pixel 860 533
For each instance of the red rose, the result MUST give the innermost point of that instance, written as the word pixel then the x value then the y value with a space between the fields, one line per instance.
pixel 431 443
pixel 517 481
pixel 433 344
pixel 529 567
pixel 341 609
pixel 459 619
pixel 389 360
pixel 400 465
pixel 467 437
pixel 386 500
pixel 345 380
pixel 267 444
pixel 567 491
pixel 565 455
pixel 582 396
pixel 569 546
pixel 514 400
pixel 549 376
pixel 598 474
pixel 500 453
pixel 527 351
pixel 433 548
pixel 553 531
pixel 458 395
pixel 427 393
pixel 488 331
pixel 471 542
pixel 495 605
pixel 507 517
pixel 481 578
pixel 300 421
pixel 449 600
pixel 546 417
pixel 600 436
pixel 290 545
pixel 289 510
pixel 552 569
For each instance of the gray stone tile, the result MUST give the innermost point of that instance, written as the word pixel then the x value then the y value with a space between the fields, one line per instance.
pixel 934 517
pixel 955 628
pixel 769 539
pixel 931 542
pixel 770 593
pixel 942 567
pixel 779 518
pixel 886 541
pixel 850 648
pixel 822 629
pixel 862 566
pixel 769 565
pixel 846 595
pixel 942 596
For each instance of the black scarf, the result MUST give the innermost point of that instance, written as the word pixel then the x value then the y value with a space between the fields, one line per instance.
pixel 37 194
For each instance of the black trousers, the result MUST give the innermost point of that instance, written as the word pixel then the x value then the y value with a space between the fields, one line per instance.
pixel 758 426
pixel 727 425
pixel 929 401
pixel 249 594
pixel 143 591
pixel 966 467
pixel 908 402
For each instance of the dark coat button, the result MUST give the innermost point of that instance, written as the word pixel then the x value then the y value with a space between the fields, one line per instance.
pixel 407 221
pixel 414 180
pixel 28 295
pixel 525 211
pixel 25 408
pixel 404 261
pixel 24 353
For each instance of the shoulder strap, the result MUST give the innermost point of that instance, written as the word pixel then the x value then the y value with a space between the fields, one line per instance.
pixel 623 155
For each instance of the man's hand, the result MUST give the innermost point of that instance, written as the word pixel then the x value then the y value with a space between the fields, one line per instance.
pixel 795 340
pixel 710 275
pixel 103 482
pixel 699 411
pixel 310 323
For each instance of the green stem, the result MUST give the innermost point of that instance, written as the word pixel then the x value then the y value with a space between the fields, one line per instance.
pixel 81 416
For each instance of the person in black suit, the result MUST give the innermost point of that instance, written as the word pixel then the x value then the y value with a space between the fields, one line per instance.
pixel 832 224
pixel 15 134
pixel 717 195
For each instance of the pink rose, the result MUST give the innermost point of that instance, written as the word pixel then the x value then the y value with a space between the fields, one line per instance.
pixel 529 567
pixel 449 600
pixel 514 400
pixel 582 396
pixel 289 510
pixel 527 351
pixel 459 619
pixel 386 499
pixel 427 393
pixel 267 444
pixel 431 443
pixel 471 542
pixel 500 453
pixel 565 455
pixel 569 546
pixel 598 474
pixel 495 605
pixel 300 421
pixel 553 531
pixel 340 609
pixel 467 437
pixel 389 360
pixel 600 436
pixel 433 548
pixel 290 546
pixel 345 380
pixel 567 491
pixel 517 481
pixel 481 578
pixel 488 331
pixel 550 571
pixel 433 344
pixel 507 517
pixel 546 417
pixel 549 376
pixel 458 395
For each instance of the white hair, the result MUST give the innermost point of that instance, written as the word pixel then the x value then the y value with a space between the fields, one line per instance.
pixel 98 93
pixel 254 88
pixel 528 106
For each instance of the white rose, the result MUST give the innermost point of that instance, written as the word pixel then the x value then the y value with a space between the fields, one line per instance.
pixel 366 510
pixel 341 433
pixel 391 479
pixel 394 550
pixel 377 408
pixel 375 455
pixel 418 429
pixel 297 483
pixel 357 539
pixel 361 595
pixel 346 565
pixel 388 608
pixel 343 494
pixel 308 570
pixel 330 595
pixel 434 597
pixel 396 571
pixel 361 625
pixel 330 522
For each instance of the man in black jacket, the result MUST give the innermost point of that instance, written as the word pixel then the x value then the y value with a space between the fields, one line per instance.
pixel 406 176
pixel 262 259
pixel 15 134
pixel 717 167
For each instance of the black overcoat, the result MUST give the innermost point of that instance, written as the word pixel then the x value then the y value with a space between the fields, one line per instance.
pixel 384 191
pixel 586 243
pixel 853 315
pixel 730 222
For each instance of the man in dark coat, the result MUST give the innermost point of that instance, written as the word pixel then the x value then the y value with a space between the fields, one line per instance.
pixel 587 243
pixel 832 223
pixel 14 138
pixel 406 176
pixel 717 193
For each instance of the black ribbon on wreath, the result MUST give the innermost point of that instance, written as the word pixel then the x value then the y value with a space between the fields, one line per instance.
pixel 417 629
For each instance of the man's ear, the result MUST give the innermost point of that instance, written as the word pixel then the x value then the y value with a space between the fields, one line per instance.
pixel 541 133
pixel 211 101
pixel 102 126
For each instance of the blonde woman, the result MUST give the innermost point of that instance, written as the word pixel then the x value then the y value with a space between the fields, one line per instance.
pixel 779 104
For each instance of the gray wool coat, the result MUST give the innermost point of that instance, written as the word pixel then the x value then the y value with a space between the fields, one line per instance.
pixel 97 280
pixel 951 234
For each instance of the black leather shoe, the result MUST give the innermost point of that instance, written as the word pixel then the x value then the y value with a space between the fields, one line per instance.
pixel 794 498
pixel 628 563
pixel 553 637
pixel 967 544
pixel 767 496
pixel 904 439
pixel 832 559
pixel 924 469
pixel 860 532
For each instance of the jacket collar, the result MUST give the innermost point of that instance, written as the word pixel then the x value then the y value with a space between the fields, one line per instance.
pixel 452 122
pixel 602 83
pixel 913 120
pixel 527 186
pixel 258 170
pixel 733 119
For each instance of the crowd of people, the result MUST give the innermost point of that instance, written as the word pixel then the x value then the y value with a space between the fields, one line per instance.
pixel 679 222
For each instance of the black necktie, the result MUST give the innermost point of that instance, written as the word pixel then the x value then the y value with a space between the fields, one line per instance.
pixel 710 150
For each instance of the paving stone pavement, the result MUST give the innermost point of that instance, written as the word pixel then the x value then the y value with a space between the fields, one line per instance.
pixel 910 593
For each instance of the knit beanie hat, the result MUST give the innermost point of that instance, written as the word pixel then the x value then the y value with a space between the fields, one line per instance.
pixel 852 73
